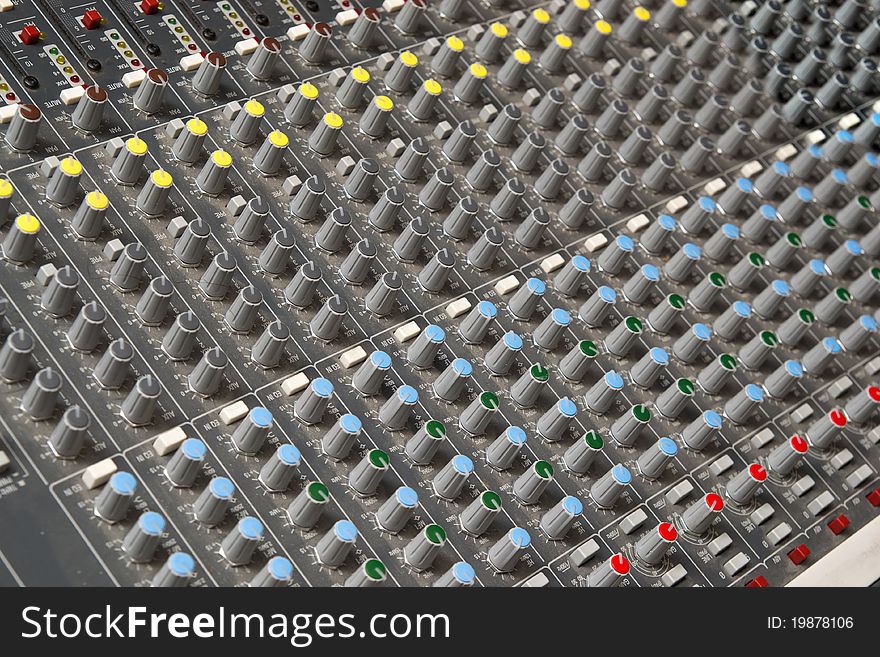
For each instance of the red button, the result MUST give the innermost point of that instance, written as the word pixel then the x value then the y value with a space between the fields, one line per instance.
pixel 874 497
pixel 150 6
pixel 837 525
pixel 29 35
pixel 92 19
pixel 760 582
pixel 799 554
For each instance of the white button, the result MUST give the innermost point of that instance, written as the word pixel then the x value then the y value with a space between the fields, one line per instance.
pixel 719 544
pixel 99 473
pixel 353 357
pixel 407 332
pixel 294 384
pixel 584 553
pixel 233 412
pixel 168 441
pixel 458 308
pixel 736 564
pixel 674 575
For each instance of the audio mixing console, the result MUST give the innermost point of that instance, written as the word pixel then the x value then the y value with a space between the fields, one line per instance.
pixel 439 293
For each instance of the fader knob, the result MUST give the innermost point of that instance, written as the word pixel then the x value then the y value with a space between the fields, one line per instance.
pixel 206 80
pixel 89 111
pixel 24 127
pixel 150 93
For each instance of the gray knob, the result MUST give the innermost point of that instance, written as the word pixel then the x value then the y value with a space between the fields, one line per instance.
pixel 423 102
pixel 153 196
pixel 385 212
pixel 339 440
pixel 664 315
pixel 141 541
pixel 507 551
pixel 622 338
pixel 88 222
pixel 815 361
pixel 239 545
pixel 366 475
pixel 85 331
pixel 312 403
pixel 250 223
pixel 549 333
pixel 191 246
pixel 594 40
pixel 24 127
pixel 409 243
pixel 830 308
pixel 786 457
pixel 793 329
pixel 215 282
pixel 572 275
pixel 270 156
pixel 409 19
pixel 212 178
pixel 140 404
pixel 410 164
pixel 756 350
pixel 609 573
pixel 714 377
pixel 63 184
pixel 488 48
pixel 114 500
pixel 861 407
pixel 188 145
pixel 600 397
pixel 628 427
pixel 526 390
pixel 69 434
pixel 501 356
pixel 699 433
pixel 300 107
pixel 652 547
pixel 424 348
pixel 457 224
pixel 301 290
pixel 422 550
pixel 700 515
pixel 479 514
pixel 675 398
pixel 449 385
pixel 368 379
pixel 691 344
pixel 610 121
pixel 657 234
pixel 353 88
pixel 646 371
pixel 264 59
pixel 525 301
pixel 783 379
pixel 607 489
pixel 186 463
pixel 360 182
pixel 654 460
pixel 279 470
pixel 525 157
pixel 476 417
pixel 211 505
pixel 397 510
pixel 112 369
pixel 314 47
pixel 743 486
pixel 371 573
pixel 856 335
pixel 41 396
pixel 640 285
pixel 457 146
pixel 482 174
pixel 331 235
pixel 206 80
pixel 277 572
pixel 177 571
pixel 475 325
pixel 180 338
pixel 450 481
pixel 502 452
pixel 399 76
pixel 865 287
pixel 381 299
pixel 244 310
pixel 129 163
pixel 327 322
pixel 434 275
pixel 323 139
pixel 595 163
pixel 207 375
pixel 356 266
pixel 397 409
pixel 251 433
pixel 506 202
pixel 423 445
pixel 742 406
pixel 598 308
pixel 470 83
pixel 824 431
pixel 58 297
pixel 554 424
pixel 366 25
pixel 530 485
pixel 513 70
pixel 548 108
pixel 482 254
pixel 557 522
pixel 89 111
pixel 306 508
